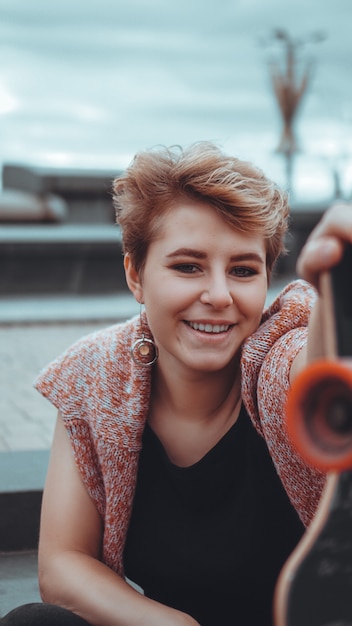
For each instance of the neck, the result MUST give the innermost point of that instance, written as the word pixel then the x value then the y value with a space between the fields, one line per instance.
pixel 190 414
pixel 197 397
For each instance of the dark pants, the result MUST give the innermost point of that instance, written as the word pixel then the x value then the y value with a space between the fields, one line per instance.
pixel 41 614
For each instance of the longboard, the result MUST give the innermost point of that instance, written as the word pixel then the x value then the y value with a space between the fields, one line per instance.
pixel 315 585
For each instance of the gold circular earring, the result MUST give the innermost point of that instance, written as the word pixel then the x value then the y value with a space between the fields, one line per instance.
pixel 144 351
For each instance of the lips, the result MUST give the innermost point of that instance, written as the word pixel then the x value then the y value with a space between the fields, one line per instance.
pixel 209 328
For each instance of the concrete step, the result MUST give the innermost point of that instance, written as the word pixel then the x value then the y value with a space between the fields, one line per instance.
pixel 22 477
pixel 61 259
pixel 18 580
pixel 108 308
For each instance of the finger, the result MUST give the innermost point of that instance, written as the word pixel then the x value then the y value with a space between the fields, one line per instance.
pixel 336 222
pixel 317 256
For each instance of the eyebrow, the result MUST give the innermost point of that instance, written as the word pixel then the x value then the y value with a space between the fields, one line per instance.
pixel 198 254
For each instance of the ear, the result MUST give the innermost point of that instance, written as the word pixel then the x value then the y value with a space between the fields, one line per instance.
pixel 133 279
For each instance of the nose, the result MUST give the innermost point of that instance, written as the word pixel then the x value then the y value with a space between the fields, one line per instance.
pixel 217 292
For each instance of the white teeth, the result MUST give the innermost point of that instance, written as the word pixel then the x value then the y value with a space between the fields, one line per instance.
pixel 210 328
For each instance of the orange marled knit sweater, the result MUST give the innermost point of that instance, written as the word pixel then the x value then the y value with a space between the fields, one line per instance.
pixel 103 397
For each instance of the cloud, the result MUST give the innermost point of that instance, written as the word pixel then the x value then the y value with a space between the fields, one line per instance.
pixel 123 75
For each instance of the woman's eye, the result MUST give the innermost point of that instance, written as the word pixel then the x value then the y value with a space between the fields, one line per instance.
pixel 243 272
pixel 186 268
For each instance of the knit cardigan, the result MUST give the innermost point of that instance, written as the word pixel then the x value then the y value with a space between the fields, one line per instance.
pixel 103 397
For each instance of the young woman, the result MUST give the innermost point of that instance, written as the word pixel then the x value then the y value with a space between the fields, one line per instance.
pixel 170 464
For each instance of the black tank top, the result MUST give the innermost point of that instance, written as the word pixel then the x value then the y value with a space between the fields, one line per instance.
pixel 211 539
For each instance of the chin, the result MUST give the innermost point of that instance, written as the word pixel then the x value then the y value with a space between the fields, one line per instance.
pixel 210 366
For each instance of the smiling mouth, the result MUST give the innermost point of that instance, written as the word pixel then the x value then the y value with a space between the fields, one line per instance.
pixel 209 328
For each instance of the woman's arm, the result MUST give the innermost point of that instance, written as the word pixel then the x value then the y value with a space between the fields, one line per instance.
pixel 70 573
pixel 322 251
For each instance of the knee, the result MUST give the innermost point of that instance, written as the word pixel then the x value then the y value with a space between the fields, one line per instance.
pixel 41 614
pixel 22 616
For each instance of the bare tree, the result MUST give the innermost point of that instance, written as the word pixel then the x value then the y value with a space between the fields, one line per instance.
pixel 289 84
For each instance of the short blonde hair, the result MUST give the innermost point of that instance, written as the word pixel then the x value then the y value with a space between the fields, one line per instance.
pixel 159 178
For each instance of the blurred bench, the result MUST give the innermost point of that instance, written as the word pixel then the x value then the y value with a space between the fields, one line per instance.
pixel 86 194
pixel 24 207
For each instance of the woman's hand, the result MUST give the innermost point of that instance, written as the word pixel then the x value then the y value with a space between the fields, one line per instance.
pixel 322 251
pixel 324 247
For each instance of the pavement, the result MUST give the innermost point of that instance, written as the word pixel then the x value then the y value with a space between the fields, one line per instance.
pixel 33 331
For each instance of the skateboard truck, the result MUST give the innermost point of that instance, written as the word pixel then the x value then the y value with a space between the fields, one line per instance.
pixel 315 585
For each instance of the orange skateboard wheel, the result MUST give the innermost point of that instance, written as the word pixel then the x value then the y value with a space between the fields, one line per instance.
pixel 319 415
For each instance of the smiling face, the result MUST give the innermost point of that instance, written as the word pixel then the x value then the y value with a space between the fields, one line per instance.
pixel 203 285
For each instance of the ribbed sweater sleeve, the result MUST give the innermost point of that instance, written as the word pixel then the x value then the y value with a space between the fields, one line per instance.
pixel 267 357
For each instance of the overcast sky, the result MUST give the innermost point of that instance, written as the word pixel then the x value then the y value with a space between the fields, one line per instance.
pixel 89 82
